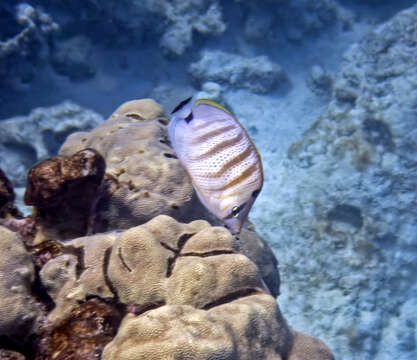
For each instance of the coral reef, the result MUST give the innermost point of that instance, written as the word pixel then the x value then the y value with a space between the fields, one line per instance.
pixel 296 19
pixel 143 176
pixel 46 128
pixel 185 17
pixel 25 46
pixel 257 74
pixel 349 187
pixel 162 289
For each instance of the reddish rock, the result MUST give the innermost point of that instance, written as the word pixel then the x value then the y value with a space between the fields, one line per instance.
pixel 63 192
pixel 80 336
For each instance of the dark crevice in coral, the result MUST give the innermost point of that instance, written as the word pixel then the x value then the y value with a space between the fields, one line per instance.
pixel 231 297
pixel 139 309
pixel 170 265
pixel 166 246
pixel 119 253
pixel 107 280
pixel 79 254
pixel 163 121
pixel 182 240
pixel 177 253
pixel 40 294
pixel 209 253
pixel 25 349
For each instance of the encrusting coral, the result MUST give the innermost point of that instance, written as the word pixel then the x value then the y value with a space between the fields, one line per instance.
pixel 159 289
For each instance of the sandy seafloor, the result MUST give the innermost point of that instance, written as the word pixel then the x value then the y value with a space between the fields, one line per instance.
pixel 139 68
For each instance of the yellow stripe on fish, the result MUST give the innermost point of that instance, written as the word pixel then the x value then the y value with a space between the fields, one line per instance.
pixel 220 158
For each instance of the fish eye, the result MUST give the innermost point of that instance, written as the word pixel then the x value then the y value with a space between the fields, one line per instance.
pixel 235 211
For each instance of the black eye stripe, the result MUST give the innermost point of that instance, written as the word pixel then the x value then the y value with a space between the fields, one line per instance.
pixel 189 118
pixel 181 104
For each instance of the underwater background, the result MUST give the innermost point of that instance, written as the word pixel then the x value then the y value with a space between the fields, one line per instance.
pixel 327 90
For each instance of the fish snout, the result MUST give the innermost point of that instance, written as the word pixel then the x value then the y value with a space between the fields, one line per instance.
pixel 234 225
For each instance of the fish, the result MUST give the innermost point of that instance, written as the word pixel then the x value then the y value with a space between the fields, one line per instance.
pixel 221 160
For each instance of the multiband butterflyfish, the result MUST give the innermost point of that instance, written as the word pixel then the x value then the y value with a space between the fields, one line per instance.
pixel 222 161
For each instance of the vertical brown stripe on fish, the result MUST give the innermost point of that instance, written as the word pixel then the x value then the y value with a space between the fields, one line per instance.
pixel 212 133
pixel 233 161
pixel 244 175
pixel 221 146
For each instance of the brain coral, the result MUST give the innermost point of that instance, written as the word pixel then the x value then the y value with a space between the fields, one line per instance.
pixel 187 292
pixel 143 176
pixel 19 313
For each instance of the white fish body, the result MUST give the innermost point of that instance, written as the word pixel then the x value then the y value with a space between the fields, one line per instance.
pixel 220 158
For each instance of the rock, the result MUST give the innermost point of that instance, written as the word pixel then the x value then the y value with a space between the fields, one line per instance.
pixel 24 47
pixel 344 207
pixel 72 57
pixel 82 335
pixel 7 197
pixel 10 355
pixel 143 176
pixel 257 74
pixel 184 18
pixel 210 90
pixel 320 82
pixel 63 192
pixel 25 140
pixel 20 315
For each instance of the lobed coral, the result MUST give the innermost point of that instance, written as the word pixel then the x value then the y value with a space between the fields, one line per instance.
pixel 20 315
pixel 185 288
